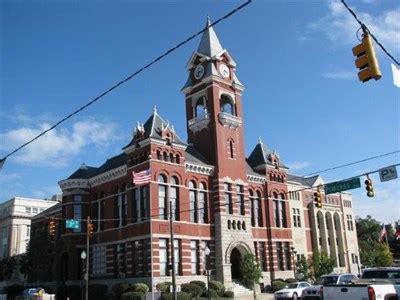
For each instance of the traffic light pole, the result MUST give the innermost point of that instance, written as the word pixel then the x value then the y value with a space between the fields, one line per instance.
pixel 87 259
pixel 171 229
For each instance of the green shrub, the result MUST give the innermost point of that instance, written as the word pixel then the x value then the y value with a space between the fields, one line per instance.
pixel 98 292
pixel 290 280
pixel 229 294
pixel 213 294
pixel 119 289
pixel 163 287
pixel 192 288
pixel 278 284
pixel 132 296
pixel 140 287
pixel 218 287
pixel 200 283
pixel 180 296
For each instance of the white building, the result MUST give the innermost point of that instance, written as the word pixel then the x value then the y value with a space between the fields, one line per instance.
pixel 15 222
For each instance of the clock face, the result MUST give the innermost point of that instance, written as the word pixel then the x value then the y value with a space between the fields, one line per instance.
pixel 199 72
pixel 224 70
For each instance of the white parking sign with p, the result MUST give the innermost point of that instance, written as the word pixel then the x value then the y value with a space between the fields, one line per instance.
pixel 388 173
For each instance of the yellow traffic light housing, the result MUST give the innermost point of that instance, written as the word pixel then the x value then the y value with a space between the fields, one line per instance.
pixel 52 228
pixel 317 199
pixel 90 228
pixel 366 59
pixel 369 187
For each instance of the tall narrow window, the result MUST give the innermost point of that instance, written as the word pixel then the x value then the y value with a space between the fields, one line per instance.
pixel 193 201
pixel 296 217
pixel 163 256
pixel 279 210
pixel 240 196
pixel 226 105
pixel 124 205
pixel 258 213
pixel 135 205
pixel 177 257
pixel 231 149
pixel 144 200
pixel 174 197
pixel 78 211
pixel 279 256
pixel 203 208
pixel 288 260
pixel 228 198
pixel 117 208
pixel 252 208
pixel 262 257
pixel 102 211
pixel 162 197
pixel 194 257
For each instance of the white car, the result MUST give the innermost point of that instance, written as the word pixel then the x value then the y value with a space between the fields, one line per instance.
pixel 292 290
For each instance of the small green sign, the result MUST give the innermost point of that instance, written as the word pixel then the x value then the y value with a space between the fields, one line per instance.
pixel 339 186
pixel 72 224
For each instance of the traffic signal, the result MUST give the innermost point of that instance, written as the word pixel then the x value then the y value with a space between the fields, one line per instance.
pixel 317 199
pixel 90 228
pixel 369 187
pixel 52 228
pixel 366 59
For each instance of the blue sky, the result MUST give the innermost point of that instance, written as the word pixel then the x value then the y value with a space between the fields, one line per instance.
pixel 302 95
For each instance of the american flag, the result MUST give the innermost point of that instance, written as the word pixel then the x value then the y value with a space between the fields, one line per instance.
pixel 141 177
pixel 397 234
pixel 383 233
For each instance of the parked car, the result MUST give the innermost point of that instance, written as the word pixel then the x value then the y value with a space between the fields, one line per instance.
pixel 375 283
pixel 316 291
pixel 292 290
pixel 32 294
pixel 3 294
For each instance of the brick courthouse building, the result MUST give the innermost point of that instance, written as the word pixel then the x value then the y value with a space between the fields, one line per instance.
pixel 220 198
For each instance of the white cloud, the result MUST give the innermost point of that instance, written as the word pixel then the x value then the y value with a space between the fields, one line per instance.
pixel 56 147
pixel 295 166
pixel 340 74
pixel 340 26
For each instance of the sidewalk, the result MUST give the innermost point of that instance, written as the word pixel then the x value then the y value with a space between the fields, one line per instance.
pixel 262 296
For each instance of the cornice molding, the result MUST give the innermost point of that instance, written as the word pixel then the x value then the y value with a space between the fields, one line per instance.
pixel 193 168
pixel 256 179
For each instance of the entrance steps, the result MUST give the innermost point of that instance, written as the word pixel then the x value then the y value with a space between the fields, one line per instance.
pixel 240 290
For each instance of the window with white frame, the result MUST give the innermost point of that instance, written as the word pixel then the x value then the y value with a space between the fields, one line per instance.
pixel 194 257
pixel 296 217
pixel 163 245
pixel 99 260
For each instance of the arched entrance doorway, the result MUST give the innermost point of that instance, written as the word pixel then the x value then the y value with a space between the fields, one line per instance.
pixel 235 260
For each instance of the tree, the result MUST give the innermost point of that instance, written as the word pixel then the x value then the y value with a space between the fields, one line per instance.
pixel 251 272
pixel 7 265
pixel 321 263
pixel 37 263
pixel 383 256
pixel 368 230
pixel 302 269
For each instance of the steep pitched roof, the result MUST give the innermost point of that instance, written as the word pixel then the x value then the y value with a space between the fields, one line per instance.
pixel 112 163
pixel 306 181
pixel 209 43
pixel 84 172
pixel 258 156
pixel 153 129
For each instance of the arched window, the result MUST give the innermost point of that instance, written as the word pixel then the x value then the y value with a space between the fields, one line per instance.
pixel 279 210
pixel 203 207
pixel 201 107
pixel 177 159
pixel 165 156
pixel 259 210
pixel 171 158
pixel 226 105
pixel 162 197
pixel 193 201
pixel 159 155
pixel 252 208
pixel 174 197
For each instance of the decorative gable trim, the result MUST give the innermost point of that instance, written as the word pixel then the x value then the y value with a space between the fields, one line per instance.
pixel 256 179
pixel 194 168
pixel 108 176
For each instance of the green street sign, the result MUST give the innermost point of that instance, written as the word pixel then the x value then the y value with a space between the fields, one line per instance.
pixel 72 224
pixel 339 186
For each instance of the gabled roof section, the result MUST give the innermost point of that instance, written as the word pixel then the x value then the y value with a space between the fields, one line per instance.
pixel 209 43
pixel 258 156
pixel 84 172
pixel 194 157
pixel 153 128
pixel 112 163
pixel 306 181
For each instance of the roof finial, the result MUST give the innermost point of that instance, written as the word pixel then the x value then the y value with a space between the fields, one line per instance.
pixel 155 109
pixel 208 21
pixel 260 140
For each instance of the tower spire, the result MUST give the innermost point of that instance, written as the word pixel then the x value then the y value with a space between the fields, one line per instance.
pixel 209 43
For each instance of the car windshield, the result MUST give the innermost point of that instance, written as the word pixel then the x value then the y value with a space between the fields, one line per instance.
pixel 326 280
pixel 292 286
pixel 381 274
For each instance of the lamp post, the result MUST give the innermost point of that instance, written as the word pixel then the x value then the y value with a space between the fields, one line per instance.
pixel 207 253
pixel 83 257
pixel 294 252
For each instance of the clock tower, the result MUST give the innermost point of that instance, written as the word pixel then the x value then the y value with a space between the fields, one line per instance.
pixel 215 128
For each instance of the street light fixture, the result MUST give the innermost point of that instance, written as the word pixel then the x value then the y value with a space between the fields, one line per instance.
pixel 207 253
pixel 83 257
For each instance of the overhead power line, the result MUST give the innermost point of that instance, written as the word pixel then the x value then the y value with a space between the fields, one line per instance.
pixel 352 163
pixel 157 59
pixel 220 205
pixel 371 34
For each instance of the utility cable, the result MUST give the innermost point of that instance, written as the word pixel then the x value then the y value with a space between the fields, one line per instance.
pixel 125 80
pixel 155 216
pixel 371 34
pixel 352 163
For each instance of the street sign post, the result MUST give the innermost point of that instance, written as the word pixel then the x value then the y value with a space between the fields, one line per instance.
pixel 339 186
pixel 72 224
pixel 388 173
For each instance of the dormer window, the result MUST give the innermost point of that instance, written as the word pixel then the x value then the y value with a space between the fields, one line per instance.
pixel 226 105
